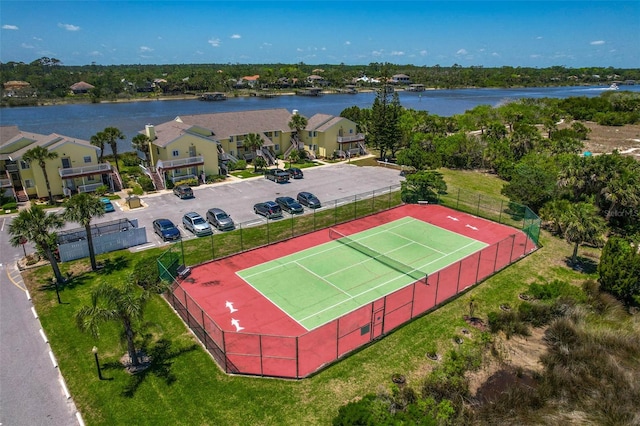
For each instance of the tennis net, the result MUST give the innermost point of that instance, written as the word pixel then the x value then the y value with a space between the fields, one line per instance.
pixel 376 255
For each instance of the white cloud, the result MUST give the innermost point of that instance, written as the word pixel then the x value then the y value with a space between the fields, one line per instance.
pixel 539 38
pixel 236 36
pixel 37 38
pixel 348 43
pixel 299 50
pixel 215 42
pixel 597 42
pixel 95 53
pixel 377 52
pixel 10 27
pixel 535 56
pixel 423 53
pixel 69 27
pixel 145 49
pixel 26 46
pixel 461 52
pixel 495 54
pixel 397 53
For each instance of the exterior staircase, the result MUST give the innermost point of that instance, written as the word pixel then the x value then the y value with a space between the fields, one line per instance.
pixel 157 180
pixel 21 196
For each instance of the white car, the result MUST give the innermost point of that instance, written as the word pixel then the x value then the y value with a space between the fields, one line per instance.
pixel 196 224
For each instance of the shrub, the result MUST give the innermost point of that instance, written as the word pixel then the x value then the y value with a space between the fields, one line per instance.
pixel 11 205
pixel 130 160
pixel 190 182
pixel 102 190
pixel 238 165
pixel 145 274
pixel 554 290
pixel 146 183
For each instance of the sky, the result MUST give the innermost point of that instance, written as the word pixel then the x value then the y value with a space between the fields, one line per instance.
pixel 424 33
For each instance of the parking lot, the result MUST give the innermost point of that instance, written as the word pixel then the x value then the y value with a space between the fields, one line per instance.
pixel 328 183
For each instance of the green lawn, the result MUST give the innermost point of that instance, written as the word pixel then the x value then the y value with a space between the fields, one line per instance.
pixel 184 385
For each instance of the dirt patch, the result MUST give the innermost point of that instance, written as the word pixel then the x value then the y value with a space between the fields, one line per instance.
pixel 516 361
pixel 606 139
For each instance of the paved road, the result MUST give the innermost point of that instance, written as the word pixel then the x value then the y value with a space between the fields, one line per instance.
pixel 30 386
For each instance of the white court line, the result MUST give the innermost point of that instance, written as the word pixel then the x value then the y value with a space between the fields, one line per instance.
pixel 322 278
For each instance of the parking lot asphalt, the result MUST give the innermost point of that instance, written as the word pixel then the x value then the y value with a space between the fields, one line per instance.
pixel 329 183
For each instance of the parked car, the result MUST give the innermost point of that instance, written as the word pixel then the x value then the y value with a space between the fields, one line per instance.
pixel 196 224
pixel 166 229
pixel 183 191
pixel 277 175
pixel 309 200
pixel 289 205
pixel 108 206
pixel 220 219
pixel 295 173
pixel 268 209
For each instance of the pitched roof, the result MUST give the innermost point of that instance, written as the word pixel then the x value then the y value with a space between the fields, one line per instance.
pixel 228 124
pixel 81 85
pixel 24 141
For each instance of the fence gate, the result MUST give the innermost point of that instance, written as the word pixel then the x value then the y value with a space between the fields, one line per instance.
pixel 377 319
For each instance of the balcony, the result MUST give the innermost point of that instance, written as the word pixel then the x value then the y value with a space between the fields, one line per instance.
pixel 180 163
pixel 5 183
pixel 353 138
pixel 95 169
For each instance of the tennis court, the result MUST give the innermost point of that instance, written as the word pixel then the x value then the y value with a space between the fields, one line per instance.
pixel 322 283
pixel 289 309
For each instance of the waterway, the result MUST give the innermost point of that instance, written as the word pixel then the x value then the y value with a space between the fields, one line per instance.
pixel 84 120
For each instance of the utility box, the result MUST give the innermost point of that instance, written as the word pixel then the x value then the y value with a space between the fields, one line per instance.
pixel 134 202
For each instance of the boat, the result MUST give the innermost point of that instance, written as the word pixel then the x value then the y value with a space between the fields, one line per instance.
pixel 614 86
pixel 213 96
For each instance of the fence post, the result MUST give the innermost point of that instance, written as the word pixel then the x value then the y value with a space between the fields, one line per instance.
pixel 373 201
pixel 500 216
pixel 478 207
pixel 241 238
pixel 355 207
pixel 335 212
pixel 458 200
pixel 213 249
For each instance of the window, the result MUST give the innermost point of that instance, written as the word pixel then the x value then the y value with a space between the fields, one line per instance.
pixel 91 178
pixel 277 133
pixel 24 165
pixel 231 152
pixel 277 148
pixel 157 150
pixel 175 153
pixel 350 131
pixel 87 159
pixel 28 183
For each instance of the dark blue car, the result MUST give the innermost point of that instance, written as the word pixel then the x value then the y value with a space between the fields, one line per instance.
pixel 166 230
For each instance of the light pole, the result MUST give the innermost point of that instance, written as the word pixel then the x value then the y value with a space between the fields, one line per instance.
pixel 95 354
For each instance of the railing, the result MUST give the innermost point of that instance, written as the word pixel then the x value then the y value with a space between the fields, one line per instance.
pixel 5 183
pixel 89 188
pixel 180 162
pixel 354 138
pixel 85 170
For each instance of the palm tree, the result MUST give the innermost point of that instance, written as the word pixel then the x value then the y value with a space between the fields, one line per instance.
pixel 40 155
pixel 297 124
pixel 99 140
pixel 140 143
pixel 253 142
pixel 81 208
pixel 109 303
pixel 35 225
pixel 582 224
pixel 112 135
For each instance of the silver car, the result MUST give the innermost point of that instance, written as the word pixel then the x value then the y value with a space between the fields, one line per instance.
pixel 220 219
pixel 196 224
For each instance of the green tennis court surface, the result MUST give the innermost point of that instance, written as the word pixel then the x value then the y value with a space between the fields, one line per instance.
pixel 317 285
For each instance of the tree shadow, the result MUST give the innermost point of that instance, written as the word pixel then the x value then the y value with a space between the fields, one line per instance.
pixel 583 265
pixel 161 357
pixel 109 266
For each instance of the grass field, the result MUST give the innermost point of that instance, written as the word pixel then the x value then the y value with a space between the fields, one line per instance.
pixel 184 386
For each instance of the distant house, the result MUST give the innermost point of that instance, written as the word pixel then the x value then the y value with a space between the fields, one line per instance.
pixel 317 80
pixel 247 81
pixel 15 88
pixel 76 169
pixel 400 79
pixel 81 87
